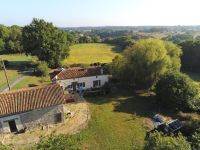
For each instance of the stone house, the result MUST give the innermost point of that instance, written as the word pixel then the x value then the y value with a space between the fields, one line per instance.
pixel 31 107
pixel 86 78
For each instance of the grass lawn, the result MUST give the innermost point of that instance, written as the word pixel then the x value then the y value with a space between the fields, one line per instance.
pixel 16 60
pixel 117 122
pixel 12 75
pixel 91 53
pixel 31 81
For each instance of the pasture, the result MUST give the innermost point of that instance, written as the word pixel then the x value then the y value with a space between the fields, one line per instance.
pixel 16 61
pixel 118 121
pixel 16 64
pixel 91 53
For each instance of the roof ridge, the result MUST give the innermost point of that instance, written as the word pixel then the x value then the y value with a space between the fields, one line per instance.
pixel 58 74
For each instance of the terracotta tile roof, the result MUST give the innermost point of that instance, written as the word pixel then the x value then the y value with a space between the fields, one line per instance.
pixel 30 98
pixel 79 72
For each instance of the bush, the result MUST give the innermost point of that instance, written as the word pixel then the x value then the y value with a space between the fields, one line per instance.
pixel 196 140
pixel 176 90
pixel 6 63
pixel 106 88
pixel 42 69
pixel 158 141
pixel 59 142
pixel 190 122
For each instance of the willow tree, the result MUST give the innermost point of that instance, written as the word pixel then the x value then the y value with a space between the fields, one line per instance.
pixel 147 60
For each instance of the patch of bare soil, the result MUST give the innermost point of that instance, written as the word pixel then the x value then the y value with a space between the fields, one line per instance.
pixel 74 122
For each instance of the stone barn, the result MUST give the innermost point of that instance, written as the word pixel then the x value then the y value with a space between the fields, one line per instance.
pixel 31 107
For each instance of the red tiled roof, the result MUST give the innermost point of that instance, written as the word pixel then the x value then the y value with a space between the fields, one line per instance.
pixel 30 98
pixel 79 72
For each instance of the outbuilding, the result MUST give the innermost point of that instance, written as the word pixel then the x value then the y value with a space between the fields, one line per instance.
pixel 31 107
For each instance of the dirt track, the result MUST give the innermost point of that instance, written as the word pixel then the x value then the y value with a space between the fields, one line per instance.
pixel 79 120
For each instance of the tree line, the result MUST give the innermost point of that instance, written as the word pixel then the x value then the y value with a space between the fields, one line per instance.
pixel 10 39
pixel 41 39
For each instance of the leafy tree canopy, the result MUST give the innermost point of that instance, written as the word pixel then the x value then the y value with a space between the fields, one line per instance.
pixel 2 44
pixel 177 90
pixel 196 140
pixel 146 60
pixel 45 41
pixel 191 56
pixel 158 141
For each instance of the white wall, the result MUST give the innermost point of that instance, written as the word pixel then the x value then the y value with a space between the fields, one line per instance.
pixel 88 81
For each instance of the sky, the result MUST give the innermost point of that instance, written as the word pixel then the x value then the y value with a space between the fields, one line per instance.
pixel 76 13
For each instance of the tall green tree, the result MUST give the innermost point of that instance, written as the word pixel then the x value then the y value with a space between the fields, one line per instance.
pixel 191 56
pixel 13 43
pixel 44 40
pixel 147 60
pixel 177 91
pixel 4 32
pixel 2 44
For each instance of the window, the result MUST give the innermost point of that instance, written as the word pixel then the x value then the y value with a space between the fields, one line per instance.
pixel 69 86
pixel 96 83
pixel 58 118
pixel 82 84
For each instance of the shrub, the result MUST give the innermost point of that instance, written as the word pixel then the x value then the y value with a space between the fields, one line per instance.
pixel 190 122
pixel 42 69
pixel 176 90
pixel 6 63
pixel 59 142
pixel 196 140
pixel 106 88
pixel 158 141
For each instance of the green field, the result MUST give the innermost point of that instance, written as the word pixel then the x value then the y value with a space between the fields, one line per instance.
pixel 15 61
pixel 118 122
pixel 31 81
pixel 12 75
pixel 91 53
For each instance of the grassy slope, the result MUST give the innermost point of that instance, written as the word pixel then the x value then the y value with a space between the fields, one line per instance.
pixel 91 53
pixel 115 124
pixel 15 61
pixel 12 75
pixel 30 81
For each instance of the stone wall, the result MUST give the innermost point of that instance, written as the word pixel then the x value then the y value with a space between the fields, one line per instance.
pixel 40 117
pixel 34 118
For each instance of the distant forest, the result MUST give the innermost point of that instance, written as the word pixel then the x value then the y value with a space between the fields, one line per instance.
pixel 138 28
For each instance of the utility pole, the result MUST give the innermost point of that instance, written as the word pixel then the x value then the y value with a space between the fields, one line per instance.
pixel 4 68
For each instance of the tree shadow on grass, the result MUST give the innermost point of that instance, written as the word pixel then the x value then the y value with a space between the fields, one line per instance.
pixel 143 106
pixel 127 101
pixel 19 65
pixel 117 49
